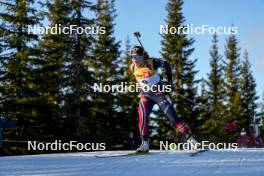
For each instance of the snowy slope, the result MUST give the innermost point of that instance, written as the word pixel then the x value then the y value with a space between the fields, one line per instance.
pixel 243 162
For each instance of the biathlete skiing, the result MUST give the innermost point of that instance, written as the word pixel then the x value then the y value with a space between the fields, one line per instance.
pixel 145 71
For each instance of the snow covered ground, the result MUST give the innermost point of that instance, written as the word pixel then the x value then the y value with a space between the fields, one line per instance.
pixel 243 162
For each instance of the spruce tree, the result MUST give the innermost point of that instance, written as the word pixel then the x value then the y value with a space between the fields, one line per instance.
pixel 77 74
pixel 107 71
pixel 204 113
pixel 65 74
pixel 262 104
pixel 203 110
pixel 262 116
pixel 55 48
pixel 248 94
pixel 232 83
pixel 215 85
pixel 19 57
pixel 129 102
pixel 176 49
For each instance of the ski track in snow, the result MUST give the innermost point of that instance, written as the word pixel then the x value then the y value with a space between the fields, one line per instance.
pixel 242 162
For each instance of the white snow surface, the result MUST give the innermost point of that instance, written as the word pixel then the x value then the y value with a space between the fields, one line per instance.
pixel 242 162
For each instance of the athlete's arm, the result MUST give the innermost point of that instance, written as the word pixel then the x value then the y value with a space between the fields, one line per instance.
pixel 158 63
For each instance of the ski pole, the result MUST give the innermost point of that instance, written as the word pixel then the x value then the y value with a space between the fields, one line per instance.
pixel 260 114
pixel 191 101
pixel 19 138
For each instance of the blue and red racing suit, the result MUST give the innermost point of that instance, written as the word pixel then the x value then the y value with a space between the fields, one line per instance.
pixel 148 75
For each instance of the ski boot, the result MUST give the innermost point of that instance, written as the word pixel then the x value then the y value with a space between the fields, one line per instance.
pixel 188 138
pixel 144 147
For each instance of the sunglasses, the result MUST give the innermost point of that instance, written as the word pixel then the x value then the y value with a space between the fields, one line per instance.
pixel 136 57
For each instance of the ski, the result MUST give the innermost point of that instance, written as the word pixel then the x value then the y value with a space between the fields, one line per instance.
pixel 198 152
pixel 122 155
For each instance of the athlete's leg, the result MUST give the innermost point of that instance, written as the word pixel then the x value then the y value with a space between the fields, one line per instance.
pixel 170 113
pixel 144 109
